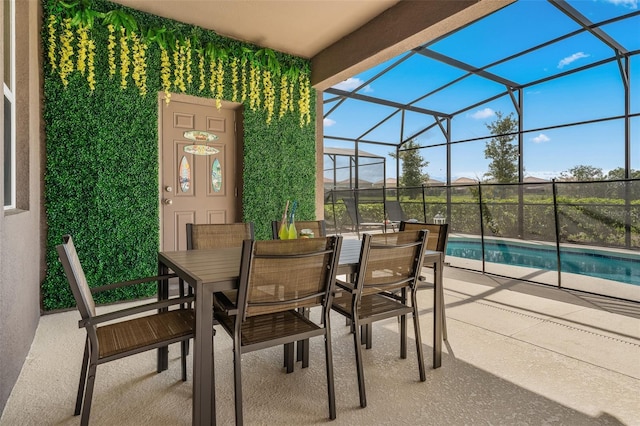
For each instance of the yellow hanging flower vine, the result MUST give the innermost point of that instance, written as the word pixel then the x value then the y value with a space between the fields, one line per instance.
pixel 124 58
pixel 66 52
pixel 139 73
pixel 256 77
pixel 269 94
pixel 284 95
pixel 244 79
pixel 234 79
pixel 254 86
pixel 111 47
pixel 219 84
pixel 83 43
pixel 165 74
pixel 201 70
pixel 304 106
pixel 52 42
pixel 187 47
pixel 91 68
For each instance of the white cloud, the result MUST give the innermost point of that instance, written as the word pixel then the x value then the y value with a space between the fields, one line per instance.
pixel 569 59
pixel 352 83
pixel 328 122
pixel 631 4
pixel 541 138
pixel 483 113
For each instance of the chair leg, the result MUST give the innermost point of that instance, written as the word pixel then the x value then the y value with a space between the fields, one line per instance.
pixel 403 336
pixel 331 392
pixel 305 353
pixel 83 379
pixel 181 287
pixel 302 346
pixel 416 328
pixel 184 348
pixel 289 356
pixel 88 394
pixel 359 368
pixel 444 316
pixel 237 374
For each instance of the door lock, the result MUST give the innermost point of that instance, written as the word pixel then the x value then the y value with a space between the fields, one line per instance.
pixel 168 189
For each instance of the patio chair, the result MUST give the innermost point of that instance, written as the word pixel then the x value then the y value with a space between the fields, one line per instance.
pixel 389 267
pixel 394 213
pixel 356 218
pixel 277 279
pixel 216 235
pixel 438 237
pixel 319 229
pixel 129 336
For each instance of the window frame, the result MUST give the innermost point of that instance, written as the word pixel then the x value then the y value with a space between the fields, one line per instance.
pixel 10 95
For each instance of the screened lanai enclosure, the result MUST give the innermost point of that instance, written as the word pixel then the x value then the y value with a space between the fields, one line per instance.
pixel 531 118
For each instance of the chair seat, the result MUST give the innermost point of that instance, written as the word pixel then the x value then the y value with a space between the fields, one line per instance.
pixel 372 308
pixel 276 328
pixel 127 336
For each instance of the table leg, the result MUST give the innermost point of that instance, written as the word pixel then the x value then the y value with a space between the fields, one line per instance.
pixel 437 312
pixel 204 404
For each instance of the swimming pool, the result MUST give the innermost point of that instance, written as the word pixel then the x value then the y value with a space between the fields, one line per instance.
pixel 608 265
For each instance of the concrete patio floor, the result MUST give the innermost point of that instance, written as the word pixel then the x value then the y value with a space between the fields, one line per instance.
pixel 516 353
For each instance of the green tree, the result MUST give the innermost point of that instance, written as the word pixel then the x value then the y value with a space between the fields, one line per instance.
pixel 502 153
pixel 583 172
pixel 618 173
pixel 412 164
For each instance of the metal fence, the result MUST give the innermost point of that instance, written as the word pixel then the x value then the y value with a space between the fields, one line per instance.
pixel 578 235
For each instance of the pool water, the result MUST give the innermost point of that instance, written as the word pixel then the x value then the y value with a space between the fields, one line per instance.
pixel 601 264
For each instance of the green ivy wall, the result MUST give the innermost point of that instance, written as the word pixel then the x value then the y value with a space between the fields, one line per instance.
pixel 101 177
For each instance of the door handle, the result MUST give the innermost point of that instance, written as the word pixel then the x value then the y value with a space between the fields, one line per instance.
pixel 168 201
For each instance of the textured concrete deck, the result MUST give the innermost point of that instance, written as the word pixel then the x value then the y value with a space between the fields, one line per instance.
pixel 517 354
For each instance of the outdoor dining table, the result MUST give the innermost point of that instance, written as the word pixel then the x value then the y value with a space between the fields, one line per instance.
pixel 212 270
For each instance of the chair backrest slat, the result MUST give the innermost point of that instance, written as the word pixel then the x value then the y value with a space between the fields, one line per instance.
pixel 279 275
pixel 390 261
pixel 218 235
pixel 438 233
pixel 76 278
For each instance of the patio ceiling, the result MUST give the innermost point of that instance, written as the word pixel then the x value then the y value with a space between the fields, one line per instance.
pixel 301 28
pixel 341 38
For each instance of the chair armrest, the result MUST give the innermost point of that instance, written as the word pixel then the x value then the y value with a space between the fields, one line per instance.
pixel 132 282
pixel 98 319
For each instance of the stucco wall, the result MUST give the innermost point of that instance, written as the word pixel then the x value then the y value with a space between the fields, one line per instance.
pixel 21 262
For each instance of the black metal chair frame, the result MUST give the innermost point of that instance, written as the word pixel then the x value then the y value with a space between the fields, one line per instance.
pixel 93 324
pixel 387 304
pixel 302 348
pixel 439 245
pixel 234 320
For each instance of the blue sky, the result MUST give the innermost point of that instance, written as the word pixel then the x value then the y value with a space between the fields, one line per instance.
pixel 587 95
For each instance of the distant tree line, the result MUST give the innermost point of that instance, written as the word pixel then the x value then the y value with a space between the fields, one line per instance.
pixel 503 156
